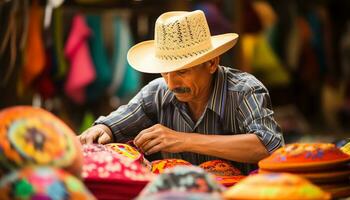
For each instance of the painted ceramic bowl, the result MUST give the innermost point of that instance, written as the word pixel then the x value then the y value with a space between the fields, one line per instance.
pixel 33 136
pixel 305 157
pixel 158 166
pixel 224 171
pixel 275 186
pixel 182 179
pixel 42 183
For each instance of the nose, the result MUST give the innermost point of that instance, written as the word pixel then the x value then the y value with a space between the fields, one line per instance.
pixel 171 80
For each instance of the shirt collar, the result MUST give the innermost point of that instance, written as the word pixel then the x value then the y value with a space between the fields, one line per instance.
pixel 217 100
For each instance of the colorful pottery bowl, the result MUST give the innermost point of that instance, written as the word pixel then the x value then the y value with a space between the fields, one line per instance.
pixel 224 171
pixel 33 136
pixel 182 179
pixel 42 183
pixel 275 186
pixel 305 157
pixel 158 166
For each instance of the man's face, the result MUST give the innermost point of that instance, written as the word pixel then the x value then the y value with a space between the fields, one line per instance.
pixel 190 84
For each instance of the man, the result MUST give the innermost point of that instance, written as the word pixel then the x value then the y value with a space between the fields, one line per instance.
pixel 198 110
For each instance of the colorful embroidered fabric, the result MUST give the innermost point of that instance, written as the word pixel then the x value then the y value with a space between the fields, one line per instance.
pixel 42 183
pixel 225 173
pixel 92 148
pixel 346 148
pixel 110 175
pixel 303 156
pixel 33 136
pixel 126 151
pixel 182 179
pixel 158 166
pixel 107 164
pixel 275 186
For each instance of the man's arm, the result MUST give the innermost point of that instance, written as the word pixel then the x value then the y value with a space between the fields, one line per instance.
pixel 127 121
pixel 246 148
pixel 255 118
pixel 241 148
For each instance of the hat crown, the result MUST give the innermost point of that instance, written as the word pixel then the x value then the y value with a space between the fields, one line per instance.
pixel 181 35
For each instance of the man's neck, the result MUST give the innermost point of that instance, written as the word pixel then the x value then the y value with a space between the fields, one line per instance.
pixel 197 107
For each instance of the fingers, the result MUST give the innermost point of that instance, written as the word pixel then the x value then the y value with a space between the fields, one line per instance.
pixel 149 144
pixel 87 137
pixel 144 136
pixel 154 149
pixel 94 134
pixel 104 138
pixel 91 137
pixel 82 137
pixel 143 132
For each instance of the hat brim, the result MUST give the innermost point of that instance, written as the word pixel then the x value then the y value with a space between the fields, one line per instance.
pixel 142 56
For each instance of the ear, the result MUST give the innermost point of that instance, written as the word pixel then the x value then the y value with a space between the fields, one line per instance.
pixel 214 63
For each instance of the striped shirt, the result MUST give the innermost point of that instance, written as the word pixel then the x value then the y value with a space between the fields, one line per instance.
pixel 239 104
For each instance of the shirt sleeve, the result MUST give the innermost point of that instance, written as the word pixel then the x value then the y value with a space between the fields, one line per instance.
pixel 255 115
pixel 128 120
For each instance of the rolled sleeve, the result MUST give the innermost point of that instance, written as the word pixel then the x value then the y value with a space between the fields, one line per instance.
pixel 128 120
pixel 256 116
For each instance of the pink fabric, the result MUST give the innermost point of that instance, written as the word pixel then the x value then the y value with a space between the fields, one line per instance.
pixel 100 164
pixel 82 72
pixel 110 175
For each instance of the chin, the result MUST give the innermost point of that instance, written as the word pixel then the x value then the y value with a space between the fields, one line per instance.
pixel 182 98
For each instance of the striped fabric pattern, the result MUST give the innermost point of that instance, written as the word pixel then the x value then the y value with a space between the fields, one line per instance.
pixel 239 104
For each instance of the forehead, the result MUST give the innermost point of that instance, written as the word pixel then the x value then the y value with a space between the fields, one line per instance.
pixel 196 67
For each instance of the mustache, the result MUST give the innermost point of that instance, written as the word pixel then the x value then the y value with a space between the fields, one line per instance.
pixel 181 90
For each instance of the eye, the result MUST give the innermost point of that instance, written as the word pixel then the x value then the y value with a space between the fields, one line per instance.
pixel 182 72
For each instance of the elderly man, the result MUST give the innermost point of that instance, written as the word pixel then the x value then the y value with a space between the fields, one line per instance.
pixel 198 110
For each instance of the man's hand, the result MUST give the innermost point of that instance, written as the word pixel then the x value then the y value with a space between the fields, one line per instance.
pixel 160 138
pixel 99 133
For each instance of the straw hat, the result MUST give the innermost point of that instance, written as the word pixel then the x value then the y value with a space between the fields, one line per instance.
pixel 182 40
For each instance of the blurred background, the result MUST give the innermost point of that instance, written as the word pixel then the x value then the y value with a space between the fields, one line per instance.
pixel 69 57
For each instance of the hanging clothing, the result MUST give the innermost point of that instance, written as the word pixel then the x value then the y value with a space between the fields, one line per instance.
pixel 99 57
pixel 82 70
pixel 34 53
pixel 61 64
pixel 126 80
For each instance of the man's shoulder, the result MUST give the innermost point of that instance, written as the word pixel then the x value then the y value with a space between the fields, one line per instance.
pixel 156 92
pixel 239 81
pixel 156 85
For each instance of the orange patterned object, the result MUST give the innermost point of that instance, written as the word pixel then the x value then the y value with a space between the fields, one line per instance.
pixel 220 168
pixel 304 156
pixel 158 166
pixel 33 136
pixel 225 173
